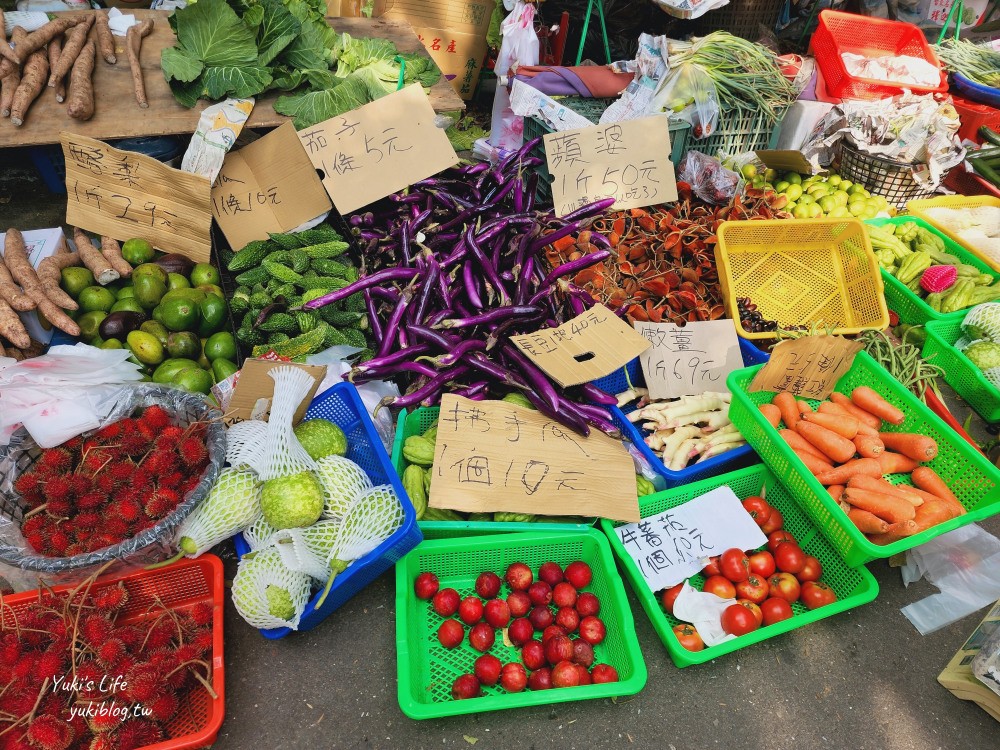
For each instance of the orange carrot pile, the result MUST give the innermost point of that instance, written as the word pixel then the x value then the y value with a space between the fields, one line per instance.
pixel 843 444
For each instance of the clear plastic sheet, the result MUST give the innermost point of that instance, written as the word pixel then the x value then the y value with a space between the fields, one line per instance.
pixel 688 93
pixel 24 569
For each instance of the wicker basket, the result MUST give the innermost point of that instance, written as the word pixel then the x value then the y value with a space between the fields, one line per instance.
pixel 888 178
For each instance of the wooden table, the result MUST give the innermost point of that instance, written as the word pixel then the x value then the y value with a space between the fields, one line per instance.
pixel 118 116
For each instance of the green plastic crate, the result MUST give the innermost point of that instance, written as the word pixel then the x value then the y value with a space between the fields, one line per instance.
pixel 416 423
pixel 909 306
pixel 959 372
pixel 853 586
pixel 426 669
pixel 968 472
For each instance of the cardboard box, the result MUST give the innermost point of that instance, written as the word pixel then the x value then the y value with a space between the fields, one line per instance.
pixel 958 676
pixel 460 56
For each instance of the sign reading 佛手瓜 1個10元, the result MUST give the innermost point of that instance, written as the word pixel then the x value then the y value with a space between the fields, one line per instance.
pixel 628 161
pixel 122 194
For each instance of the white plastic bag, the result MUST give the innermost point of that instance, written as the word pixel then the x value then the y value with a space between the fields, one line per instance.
pixel 519 45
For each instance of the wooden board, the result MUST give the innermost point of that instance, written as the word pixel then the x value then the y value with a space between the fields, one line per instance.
pixel 118 116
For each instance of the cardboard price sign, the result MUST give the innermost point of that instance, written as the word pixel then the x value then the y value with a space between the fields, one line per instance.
pixel 809 367
pixel 590 346
pixel 378 149
pixel 690 360
pixel 672 546
pixel 494 456
pixel 268 186
pixel 629 161
pixel 122 194
pixel 254 390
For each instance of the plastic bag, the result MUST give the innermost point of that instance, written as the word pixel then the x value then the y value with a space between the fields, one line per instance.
pixel 519 45
pixel 709 180
pixel 23 568
pixel 689 94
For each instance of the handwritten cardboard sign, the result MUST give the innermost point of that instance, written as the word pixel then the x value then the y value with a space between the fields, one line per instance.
pixel 268 186
pixel 690 360
pixel 809 367
pixel 378 149
pixel 672 546
pixel 590 346
pixel 629 161
pixel 494 456
pixel 254 390
pixel 123 194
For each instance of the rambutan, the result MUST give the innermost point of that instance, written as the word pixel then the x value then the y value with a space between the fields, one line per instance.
pixel 137 733
pixel 163 708
pixel 18 703
pixel 192 451
pixel 111 597
pixel 188 485
pixel 171 480
pixel 73 444
pixel 37 541
pixel 144 684
pixel 49 664
pixel 80 484
pixel 55 460
pixel 95 461
pixel 25 666
pixel 202 613
pixel 122 472
pixel 159 462
pixel 92 500
pixel 106 483
pixel 27 483
pixel 161 634
pixel 110 652
pixel 115 526
pixel 109 434
pixel 56 488
pixel 203 640
pixel 49 733
pixel 127 508
pixel 59 541
pixel 106 718
pixel 131 636
pixel 60 507
pixel 10 648
pixel 168 439
pixel 135 443
pixel 162 503
pixel 102 540
pixel 33 524
pixel 96 629
pixel 156 417
pixel 86 521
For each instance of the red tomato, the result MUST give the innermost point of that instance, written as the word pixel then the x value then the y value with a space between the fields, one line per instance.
pixel 753 588
pixel 721 586
pixel 785 586
pixel 734 565
pixel 789 557
pixel 754 609
pixel 688 636
pixel 817 594
pixel 775 610
pixel 712 569
pixel 758 509
pixel 670 596
pixel 777 537
pixel 774 523
pixel 738 620
pixel 762 564
pixel 811 571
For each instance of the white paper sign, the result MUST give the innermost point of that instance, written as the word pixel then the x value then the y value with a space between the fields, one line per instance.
pixel 691 360
pixel 674 545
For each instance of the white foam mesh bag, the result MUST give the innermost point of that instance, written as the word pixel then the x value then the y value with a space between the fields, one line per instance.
pixel 284 454
pixel 372 519
pixel 343 481
pixel 250 589
pixel 307 550
pixel 245 443
pixel 260 534
pixel 992 374
pixel 985 318
pixel 231 506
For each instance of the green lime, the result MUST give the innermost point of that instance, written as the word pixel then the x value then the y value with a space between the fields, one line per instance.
pixel 170 367
pixel 793 191
pixel 801 211
pixel 204 273
pixel 794 178
pixel 137 251
pixel 75 279
pixel 780 187
pixel 191 295
pixel 212 289
pixel 112 344
pixel 129 304
pixel 149 290
pixel 157 329
pixel 96 298
pixel 184 344
pixel 840 212
pixel 146 347
pixel 177 281
pixel 126 292
pixel 827 203
pixel 223 368
pixel 150 269
pixel 857 207
pixel 179 315
pixel 193 379
pixel 213 315
pixel 805 199
pixel 220 345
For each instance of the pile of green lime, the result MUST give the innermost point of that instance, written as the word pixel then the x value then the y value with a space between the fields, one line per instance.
pixel 173 324
pixel 818 196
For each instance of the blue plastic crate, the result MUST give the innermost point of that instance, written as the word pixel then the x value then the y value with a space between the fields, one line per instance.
pixel 977 92
pixel 737 458
pixel 342 406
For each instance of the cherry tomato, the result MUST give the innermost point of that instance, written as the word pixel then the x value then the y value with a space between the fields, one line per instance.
pixel 738 620
pixel 712 569
pixel 688 637
pixel 734 565
pixel 775 610
pixel 817 594
pixel 754 609
pixel 811 571
pixel 758 509
pixel 777 537
pixel 670 596
pixel 785 586
pixel 754 589
pixel 789 557
pixel 721 586
pixel 762 564
pixel 774 523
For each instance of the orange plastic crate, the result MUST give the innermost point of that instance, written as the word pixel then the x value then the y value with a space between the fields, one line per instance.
pixel 870 37
pixel 973 115
pixel 179 587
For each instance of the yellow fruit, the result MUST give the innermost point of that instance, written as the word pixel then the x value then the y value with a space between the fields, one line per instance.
pixel 857 208
pixel 805 199
pixel 781 186
pixel 827 203
pixel 842 198
pixel 749 171
pixel 840 212
pixel 801 212
pixel 834 179
pixel 794 177
pixel 815 211
pixel 793 191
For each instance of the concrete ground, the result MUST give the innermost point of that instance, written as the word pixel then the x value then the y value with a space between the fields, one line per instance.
pixel 863 680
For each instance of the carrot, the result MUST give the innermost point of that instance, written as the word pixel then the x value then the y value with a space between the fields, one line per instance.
pixel 851 408
pixel 895 463
pixel 844 426
pixel 838 449
pixel 829 407
pixel 880 485
pixel 81 87
pixel 868 446
pixel 890 508
pixel 789 411
pixel 111 250
pixel 103 272
pixel 929 481
pixel 932 513
pixel 32 83
pixel 133 46
pixel 867 399
pixel 843 474
pixel 11 327
pixel 50 273
pixel 53 51
pixel 74 44
pixel 771 413
pixel 867 522
pixel 835 490
pixel 895 532
pixel 815 465
pixel 800 445
pixel 11 293
pixel 918 447
pixel 105 40
pixel 803 407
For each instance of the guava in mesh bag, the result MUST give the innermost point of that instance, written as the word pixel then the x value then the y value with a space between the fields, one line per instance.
pixel 260 534
pixel 245 444
pixel 267 594
pixel 344 481
pixel 983 322
pixel 308 549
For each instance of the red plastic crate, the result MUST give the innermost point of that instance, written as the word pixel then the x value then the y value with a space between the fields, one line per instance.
pixel 969 183
pixel 871 37
pixel 973 116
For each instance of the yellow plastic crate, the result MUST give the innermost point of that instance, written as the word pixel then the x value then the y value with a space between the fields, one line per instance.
pixel 805 272
pixel 918 207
